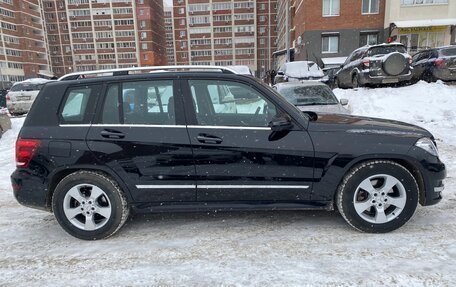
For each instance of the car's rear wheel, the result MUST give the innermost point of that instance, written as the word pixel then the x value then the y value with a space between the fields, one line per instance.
pixel 89 205
pixel 377 196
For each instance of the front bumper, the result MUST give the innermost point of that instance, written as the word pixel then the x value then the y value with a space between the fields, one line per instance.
pixel 366 78
pixel 433 172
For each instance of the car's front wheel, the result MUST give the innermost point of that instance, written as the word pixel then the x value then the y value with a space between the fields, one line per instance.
pixel 377 196
pixel 89 205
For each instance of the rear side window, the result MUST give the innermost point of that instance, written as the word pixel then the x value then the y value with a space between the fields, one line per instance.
pixel 448 52
pixel 141 102
pixel 26 87
pixel 74 109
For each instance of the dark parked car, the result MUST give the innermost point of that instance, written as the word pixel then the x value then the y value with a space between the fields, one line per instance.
pixel 91 159
pixel 299 71
pixel 375 65
pixel 435 64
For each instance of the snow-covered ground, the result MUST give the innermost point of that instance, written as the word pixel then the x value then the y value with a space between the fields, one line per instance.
pixel 280 248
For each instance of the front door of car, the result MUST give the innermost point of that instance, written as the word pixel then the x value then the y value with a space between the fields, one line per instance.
pixel 237 156
pixel 141 135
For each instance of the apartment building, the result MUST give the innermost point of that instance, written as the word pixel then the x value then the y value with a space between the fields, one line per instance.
pixel 169 28
pixel 87 35
pixel 225 32
pixel 330 29
pixel 23 48
pixel 421 24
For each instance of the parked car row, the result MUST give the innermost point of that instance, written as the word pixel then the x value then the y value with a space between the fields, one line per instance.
pixel 377 65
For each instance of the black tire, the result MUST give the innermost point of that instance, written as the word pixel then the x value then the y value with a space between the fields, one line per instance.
pixel 407 185
pixel 428 77
pixel 111 200
pixel 355 82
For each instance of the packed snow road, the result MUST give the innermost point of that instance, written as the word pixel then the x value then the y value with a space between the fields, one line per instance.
pixel 279 248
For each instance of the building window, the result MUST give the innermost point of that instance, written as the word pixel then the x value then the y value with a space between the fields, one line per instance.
pixel 368 39
pixel 144 46
pixel 371 6
pixel 331 7
pixel 422 2
pixel 329 43
pixel 181 11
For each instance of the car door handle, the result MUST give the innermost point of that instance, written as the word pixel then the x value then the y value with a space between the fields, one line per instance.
pixel 204 138
pixel 112 134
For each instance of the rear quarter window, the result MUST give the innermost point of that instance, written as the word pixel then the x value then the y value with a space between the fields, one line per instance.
pixel 76 101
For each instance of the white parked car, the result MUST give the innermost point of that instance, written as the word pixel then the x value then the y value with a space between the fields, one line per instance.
pixel 22 94
pixel 312 96
pixel 299 71
pixel 241 70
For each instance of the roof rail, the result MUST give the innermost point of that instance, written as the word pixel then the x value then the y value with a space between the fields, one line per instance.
pixel 126 71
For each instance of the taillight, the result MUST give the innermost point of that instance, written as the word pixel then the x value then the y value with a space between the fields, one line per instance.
pixel 7 97
pixel 439 62
pixel 410 60
pixel 25 149
pixel 366 62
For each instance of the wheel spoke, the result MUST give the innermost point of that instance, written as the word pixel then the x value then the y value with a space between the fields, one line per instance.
pixel 390 182
pixel 380 216
pixel 367 186
pixel 399 202
pixel 95 193
pixel 104 211
pixel 76 194
pixel 360 207
pixel 89 223
pixel 72 212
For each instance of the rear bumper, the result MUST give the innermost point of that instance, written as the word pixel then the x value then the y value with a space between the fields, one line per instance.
pixel 29 190
pixel 366 78
pixel 445 74
pixel 19 107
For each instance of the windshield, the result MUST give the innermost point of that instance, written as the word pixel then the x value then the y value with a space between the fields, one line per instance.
pixel 309 95
pixel 26 87
pixel 383 50
pixel 448 52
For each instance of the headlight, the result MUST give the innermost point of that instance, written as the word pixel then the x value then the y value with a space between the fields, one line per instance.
pixel 428 145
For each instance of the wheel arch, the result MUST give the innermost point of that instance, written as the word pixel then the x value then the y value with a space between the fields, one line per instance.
pixel 55 177
pixel 406 162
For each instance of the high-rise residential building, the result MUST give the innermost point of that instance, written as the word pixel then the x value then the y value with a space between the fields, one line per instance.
pixel 225 32
pixel 23 46
pixel 331 29
pixel 103 34
pixel 169 30
pixel 421 24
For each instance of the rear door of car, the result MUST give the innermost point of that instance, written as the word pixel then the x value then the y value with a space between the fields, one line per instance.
pixel 141 134
pixel 237 156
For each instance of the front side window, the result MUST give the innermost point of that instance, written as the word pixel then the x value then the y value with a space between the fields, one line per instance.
pixel 141 102
pixel 331 7
pixel 371 6
pixel 330 44
pixel 225 103
pixel 75 105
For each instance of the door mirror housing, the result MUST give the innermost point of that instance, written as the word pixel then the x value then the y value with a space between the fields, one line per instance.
pixel 343 102
pixel 280 73
pixel 281 123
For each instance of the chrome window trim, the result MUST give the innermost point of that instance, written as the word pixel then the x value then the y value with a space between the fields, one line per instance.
pixel 153 186
pixel 167 126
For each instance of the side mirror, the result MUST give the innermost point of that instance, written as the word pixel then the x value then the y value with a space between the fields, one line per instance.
pixel 343 102
pixel 341 66
pixel 281 123
pixel 280 73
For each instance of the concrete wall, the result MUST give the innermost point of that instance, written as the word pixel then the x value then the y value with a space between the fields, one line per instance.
pixel 348 41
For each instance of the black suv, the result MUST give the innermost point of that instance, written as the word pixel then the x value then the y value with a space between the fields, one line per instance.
pixel 435 64
pixel 92 149
pixel 375 65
